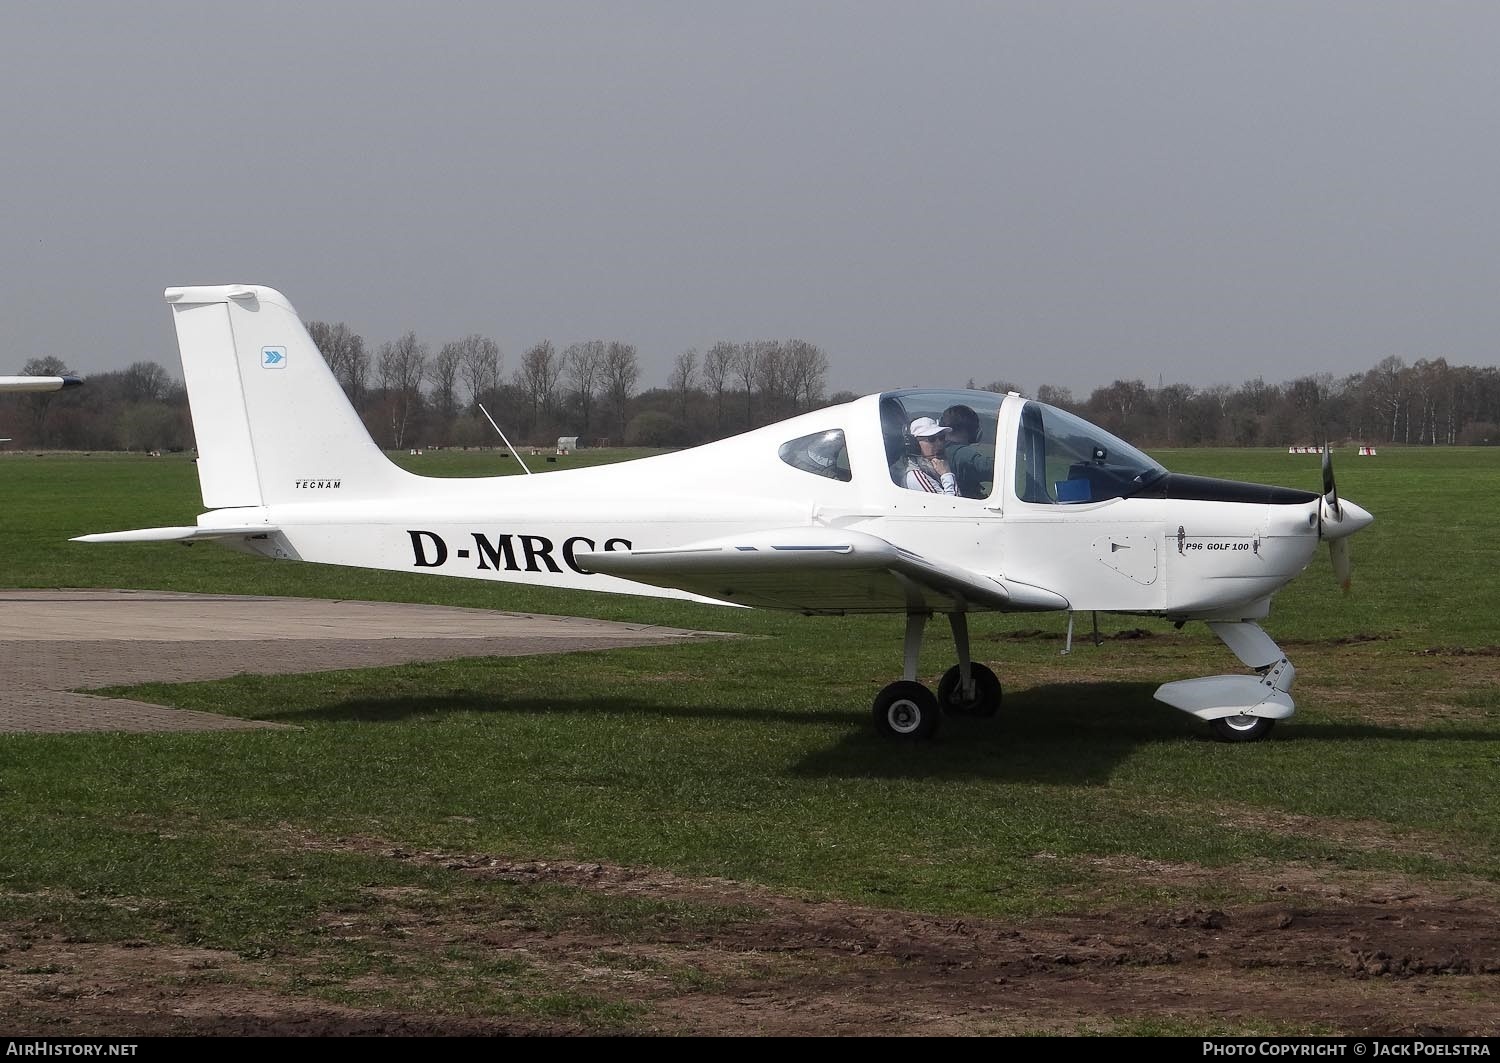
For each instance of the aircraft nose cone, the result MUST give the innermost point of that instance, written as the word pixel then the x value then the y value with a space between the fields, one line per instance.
pixel 1355 518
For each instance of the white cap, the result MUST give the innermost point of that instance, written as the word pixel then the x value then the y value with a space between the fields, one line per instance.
pixel 926 427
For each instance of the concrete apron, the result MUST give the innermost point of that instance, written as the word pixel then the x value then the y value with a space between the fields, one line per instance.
pixel 56 643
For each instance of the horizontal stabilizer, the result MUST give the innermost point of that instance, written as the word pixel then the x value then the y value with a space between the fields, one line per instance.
pixel 190 534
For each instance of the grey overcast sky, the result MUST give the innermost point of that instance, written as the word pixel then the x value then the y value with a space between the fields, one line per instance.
pixel 1051 192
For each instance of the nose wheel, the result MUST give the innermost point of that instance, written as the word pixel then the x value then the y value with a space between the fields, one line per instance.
pixel 1241 728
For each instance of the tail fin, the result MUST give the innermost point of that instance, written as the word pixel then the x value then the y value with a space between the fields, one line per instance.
pixel 272 423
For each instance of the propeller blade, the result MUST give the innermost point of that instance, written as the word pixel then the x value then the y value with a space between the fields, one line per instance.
pixel 1330 509
pixel 1330 519
pixel 1343 561
pixel 1337 522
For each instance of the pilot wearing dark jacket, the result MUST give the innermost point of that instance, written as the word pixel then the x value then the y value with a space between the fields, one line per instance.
pixel 973 466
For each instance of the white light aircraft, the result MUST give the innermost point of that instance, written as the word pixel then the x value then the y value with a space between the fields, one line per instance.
pixel 38 383
pixel 815 514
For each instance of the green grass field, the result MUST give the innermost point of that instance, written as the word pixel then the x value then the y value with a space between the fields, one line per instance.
pixel 753 759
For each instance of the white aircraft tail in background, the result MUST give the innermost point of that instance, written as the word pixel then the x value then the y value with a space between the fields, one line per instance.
pixel 911 502
pixel 38 383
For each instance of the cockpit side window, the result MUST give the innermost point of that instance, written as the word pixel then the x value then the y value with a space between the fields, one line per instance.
pixel 822 454
pixel 1062 458
pixel 966 455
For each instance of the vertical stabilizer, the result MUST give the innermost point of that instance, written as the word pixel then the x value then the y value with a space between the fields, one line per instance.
pixel 272 423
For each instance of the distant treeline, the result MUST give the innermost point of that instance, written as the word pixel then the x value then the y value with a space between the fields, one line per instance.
pixel 410 397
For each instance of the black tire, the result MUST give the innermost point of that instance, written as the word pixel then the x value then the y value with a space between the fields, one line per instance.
pixel 986 700
pixel 1241 728
pixel 906 712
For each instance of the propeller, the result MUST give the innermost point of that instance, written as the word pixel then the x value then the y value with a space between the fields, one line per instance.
pixel 1331 523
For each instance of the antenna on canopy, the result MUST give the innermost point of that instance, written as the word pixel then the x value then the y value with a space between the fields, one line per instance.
pixel 496 427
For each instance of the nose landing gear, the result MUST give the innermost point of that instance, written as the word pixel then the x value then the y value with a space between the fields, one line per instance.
pixel 1239 708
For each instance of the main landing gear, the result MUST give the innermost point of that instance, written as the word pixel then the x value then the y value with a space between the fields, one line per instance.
pixel 908 710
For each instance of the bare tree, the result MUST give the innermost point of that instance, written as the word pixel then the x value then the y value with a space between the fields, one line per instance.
pixel 51 365
pixel 621 371
pixel 1256 394
pixel 585 363
pixel 807 373
pixel 684 370
pixel 402 368
pixel 344 351
pixel 1118 401
pixel 145 382
pixel 1389 385
pixel 480 359
pixel 771 375
pixel 1221 396
pixel 537 377
pixel 1445 388
pixel 41 401
pixel 1173 399
pixel 745 365
pixel 1054 395
pixel 1304 401
pixel 718 364
pixel 444 377
pixel 356 378
pixel 1429 383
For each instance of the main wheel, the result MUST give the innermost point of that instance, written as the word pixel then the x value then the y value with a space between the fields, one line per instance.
pixel 986 699
pixel 906 711
pixel 1241 728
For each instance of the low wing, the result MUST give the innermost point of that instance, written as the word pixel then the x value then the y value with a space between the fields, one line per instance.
pixel 821 570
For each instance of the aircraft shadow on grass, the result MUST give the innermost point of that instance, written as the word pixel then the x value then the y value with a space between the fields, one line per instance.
pixel 1069 733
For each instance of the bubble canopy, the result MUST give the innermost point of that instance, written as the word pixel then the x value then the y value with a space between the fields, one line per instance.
pixel 1060 458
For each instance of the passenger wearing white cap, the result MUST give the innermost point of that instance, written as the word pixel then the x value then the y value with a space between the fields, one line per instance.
pixel 927 469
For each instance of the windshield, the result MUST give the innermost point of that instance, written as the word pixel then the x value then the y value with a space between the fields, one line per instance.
pixel 1062 458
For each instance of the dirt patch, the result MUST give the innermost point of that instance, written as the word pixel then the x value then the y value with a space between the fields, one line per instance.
pixel 1343 961
pixel 1368 835
pixel 1357 639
